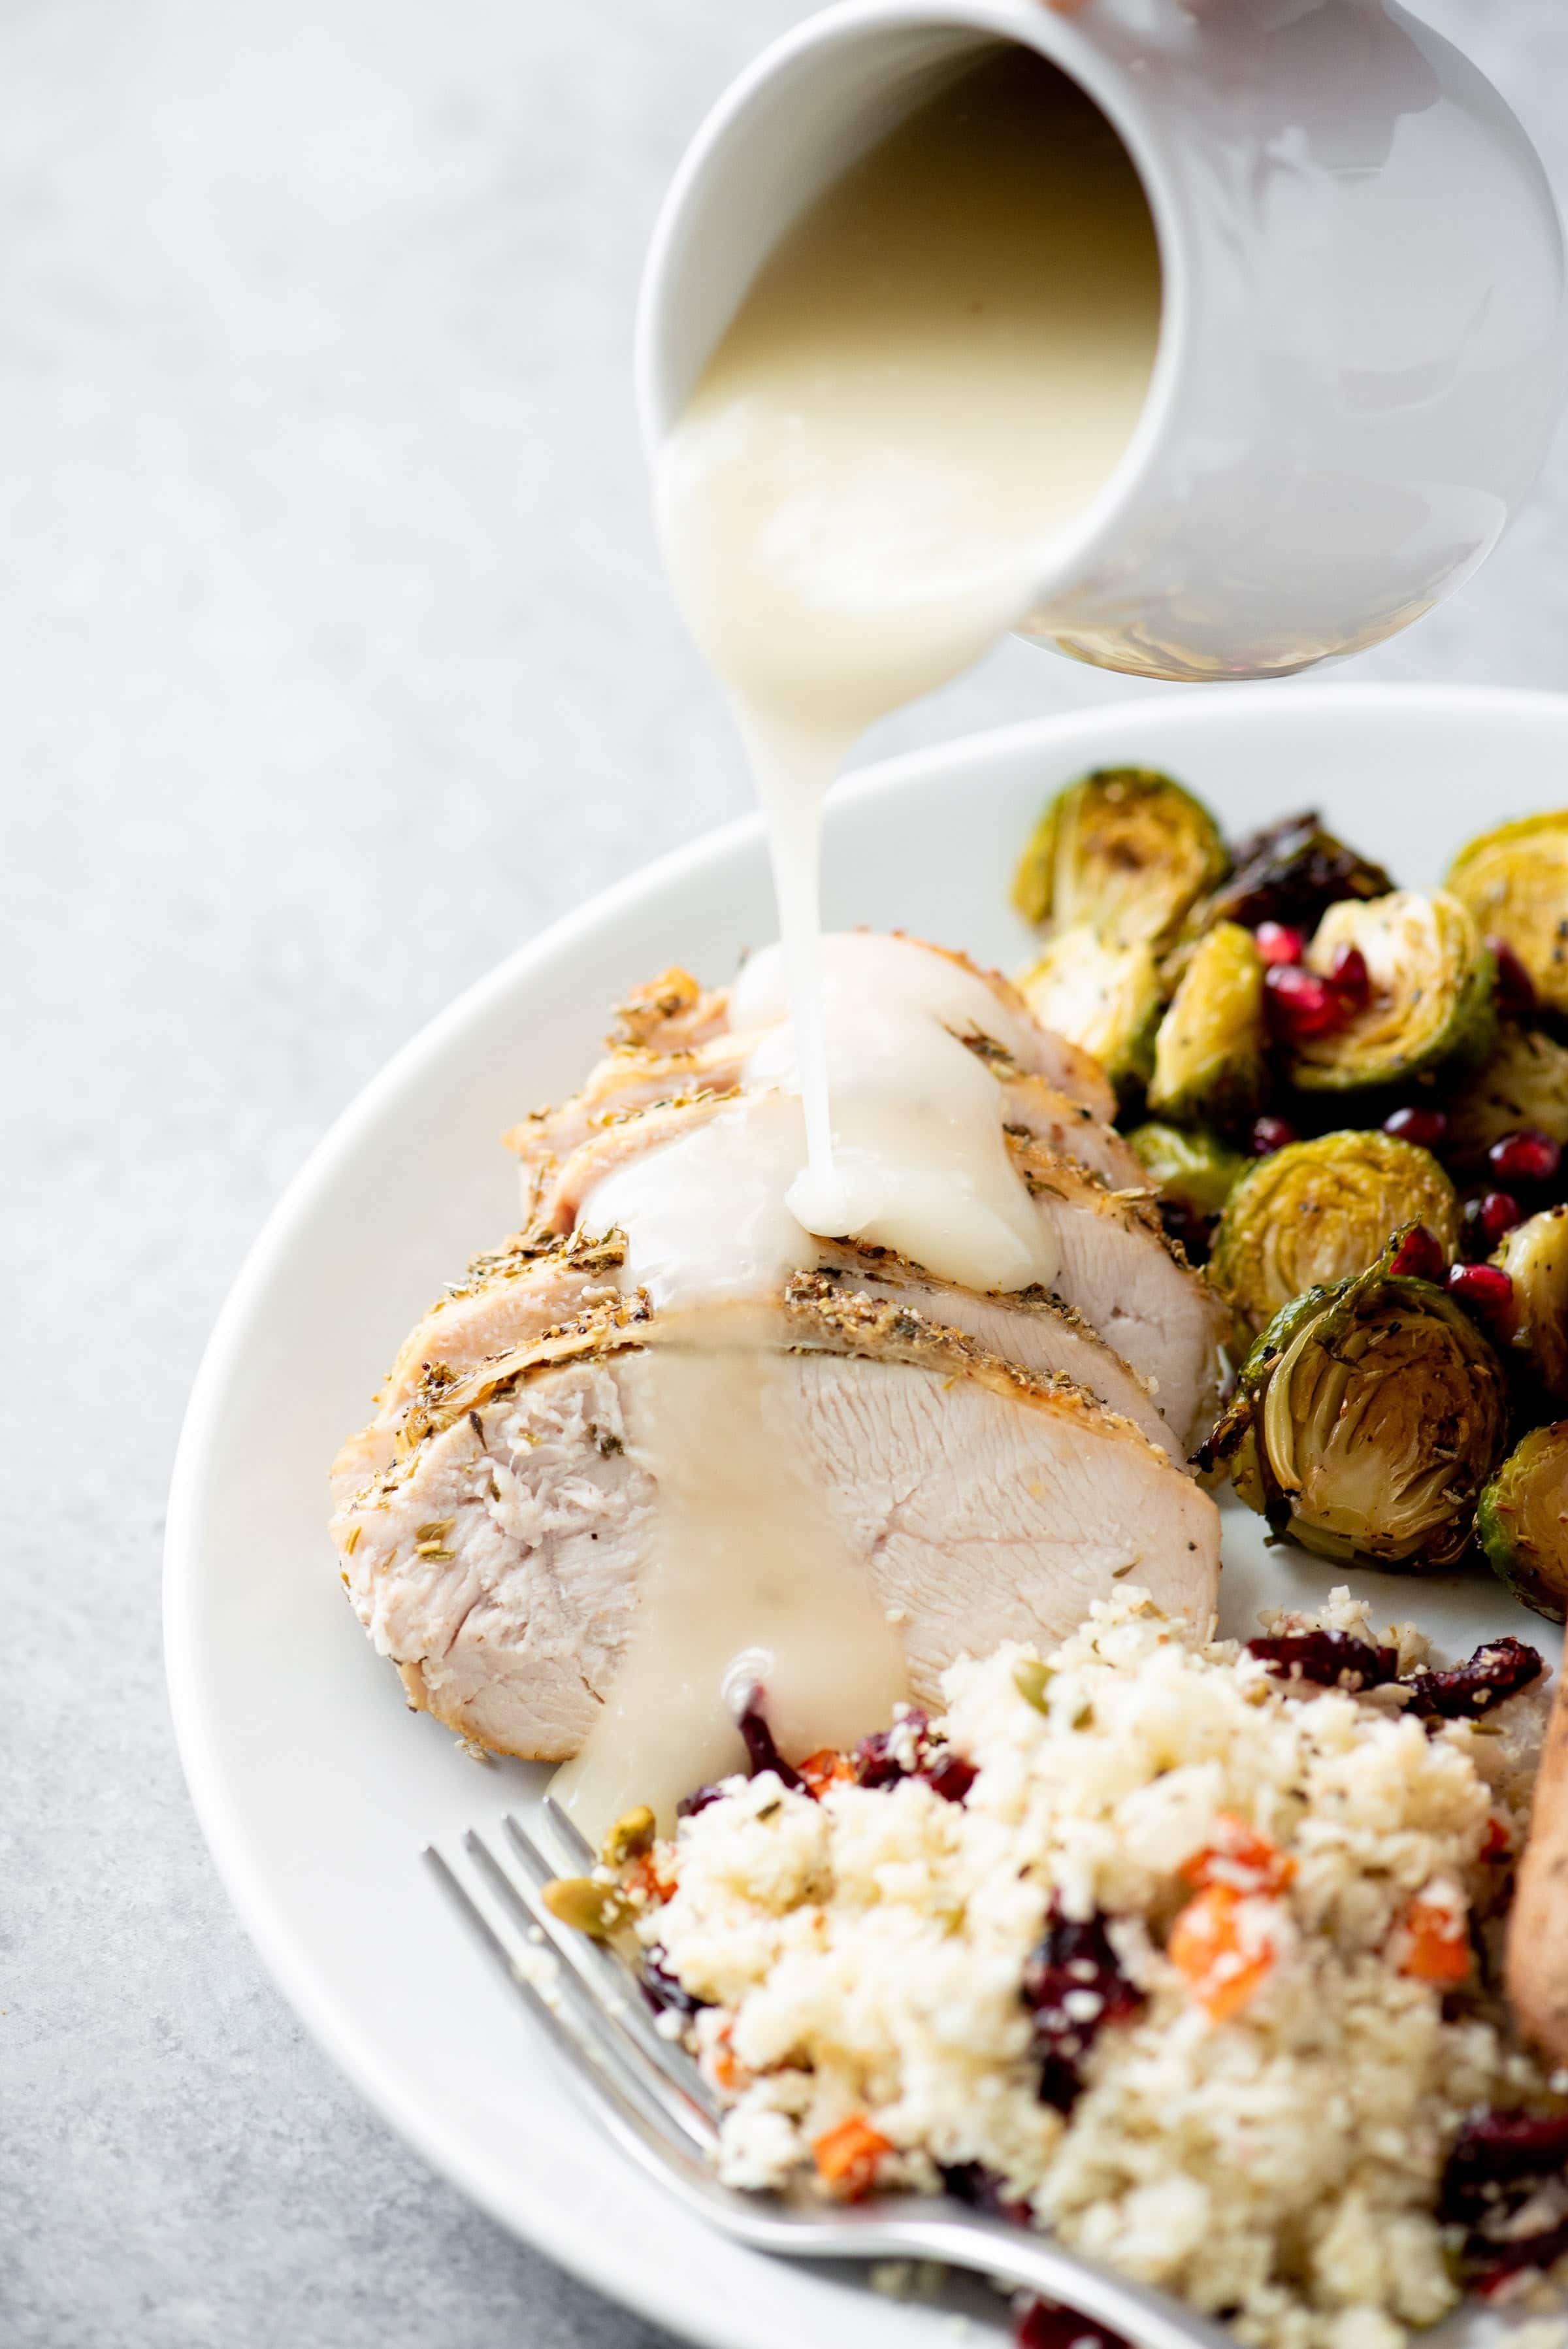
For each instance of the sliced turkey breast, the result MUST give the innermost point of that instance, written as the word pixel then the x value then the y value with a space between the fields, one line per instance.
pixel 627 1081
pixel 1117 1269
pixel 674 1039
pixel 498 1559
pixel 515 1297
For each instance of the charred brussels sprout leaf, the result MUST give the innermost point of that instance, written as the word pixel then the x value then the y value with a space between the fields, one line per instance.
pixel 1102 996
pixel 1194 1171
pixel 1367 1420
pixel 1124 851
pixel 1320 1211
pixel 1514 881
pixel 1522 1521
pixel 1292 873
pixel 1525 1082
pixel 1429 1001
pixel 1535 1256
pixel 1208 1052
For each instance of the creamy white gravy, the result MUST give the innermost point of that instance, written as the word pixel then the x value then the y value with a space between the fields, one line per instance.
pixel 928 382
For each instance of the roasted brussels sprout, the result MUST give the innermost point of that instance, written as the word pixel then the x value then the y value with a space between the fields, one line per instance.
pixel 1190 1170
pixel 1535 1256
pixel 1514 881
pixel 1367 1420
pixel 1320 1211
pixel 1523 1084
pixel 1430 999
pixel 1103 997
pixel 1125 850
pixel 1292 873
pixel 1208 1052
pixel 1522 1521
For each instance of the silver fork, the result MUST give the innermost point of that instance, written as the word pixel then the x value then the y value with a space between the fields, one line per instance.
pixel 657 2108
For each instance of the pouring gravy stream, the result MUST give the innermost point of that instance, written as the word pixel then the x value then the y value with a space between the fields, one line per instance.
pixel 928 382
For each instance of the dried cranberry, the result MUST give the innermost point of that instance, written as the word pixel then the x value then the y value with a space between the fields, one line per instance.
pixel 1528 1156
pixel 1300 1004
pixel 1426 1127
pixel 663 1989
pixel 1271 1133
pixel 1502 2261
pixel 1483 1289
pixel 1044 2325
pixel 1495 1672
pixel 1327 1658
pixel 877 1764
pixel 972 2182
pixel 1417 1255
pixel 1497 2149
pixel 761 1751
pixel 1073 1984
pixel 1490 1220
pixel 1349 977
pixel 1278 942
pixel 1515 987
pixel 949 1774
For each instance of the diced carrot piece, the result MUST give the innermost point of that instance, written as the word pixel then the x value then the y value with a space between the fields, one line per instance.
pixel 1240 1858
pixel 643 1876
pixel 1205 1945
pixel 847 2157
pixel 1437 1944
pixel 827 1767
pixel 728 2072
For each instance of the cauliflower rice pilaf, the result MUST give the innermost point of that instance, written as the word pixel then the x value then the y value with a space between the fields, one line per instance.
pixel 1199 1969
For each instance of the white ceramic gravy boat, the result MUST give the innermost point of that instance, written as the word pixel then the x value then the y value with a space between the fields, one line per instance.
pixel 1362 352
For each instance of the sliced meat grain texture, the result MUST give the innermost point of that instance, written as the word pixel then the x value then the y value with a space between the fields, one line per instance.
pixel 992 1463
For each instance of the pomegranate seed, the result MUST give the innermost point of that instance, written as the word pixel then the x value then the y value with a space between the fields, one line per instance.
pixel 1528 1156
pixel 1490 1220
pixel 1482 1288
pixel 1419 1257
pixel 1515 987
pixel 1278 942
pixel 1425 1126
pixel 1271 1133
pixel 1300 1003
pixel 1349 977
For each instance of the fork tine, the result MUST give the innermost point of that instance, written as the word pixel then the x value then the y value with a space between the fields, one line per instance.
pixel 567 1834
pixel 594 2014
pixel 609 1984
pixel 637 2120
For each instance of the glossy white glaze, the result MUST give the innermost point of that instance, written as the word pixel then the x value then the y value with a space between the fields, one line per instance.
pixel 1362 353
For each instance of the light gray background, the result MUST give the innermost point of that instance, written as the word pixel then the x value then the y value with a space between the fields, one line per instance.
pixel 335 659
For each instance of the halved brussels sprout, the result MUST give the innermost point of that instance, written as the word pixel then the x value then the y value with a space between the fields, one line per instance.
pixel 1522 1521
pixel 1430 997
pixel 1525 1082
pixel 1102 996
pixel 1535 1256
pixel 1292 873
pixel 1515 880
pixel 1194 1171
pixel 1367 1420
pixel 1208 1052
pixel 1320 1211
pixel 1124 850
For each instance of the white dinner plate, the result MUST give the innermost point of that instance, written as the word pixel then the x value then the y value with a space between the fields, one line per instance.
pixel 315 1788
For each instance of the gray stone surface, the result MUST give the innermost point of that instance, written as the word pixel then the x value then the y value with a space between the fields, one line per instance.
pixel 333 660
